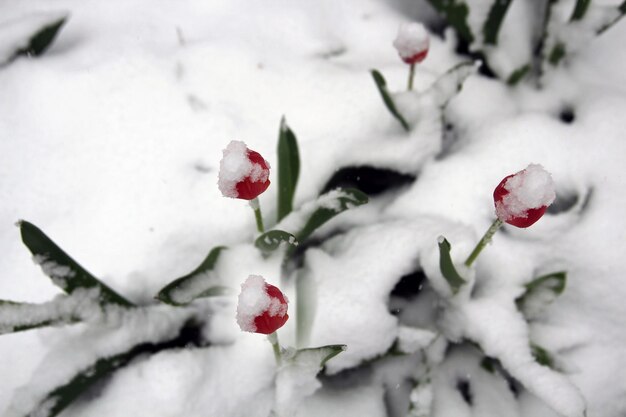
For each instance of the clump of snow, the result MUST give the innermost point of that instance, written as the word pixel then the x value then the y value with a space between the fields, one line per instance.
pixel 236 166
pixel 412 40
pixel 254 301
pixel 57 273
pixel 530 188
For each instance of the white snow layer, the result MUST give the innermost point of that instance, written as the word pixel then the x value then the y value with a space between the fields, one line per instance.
pixel 116 187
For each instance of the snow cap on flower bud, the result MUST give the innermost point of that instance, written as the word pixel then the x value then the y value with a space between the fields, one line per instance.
pixel 243 172
pixel 412 42
pixel 262 308
pixel 522 198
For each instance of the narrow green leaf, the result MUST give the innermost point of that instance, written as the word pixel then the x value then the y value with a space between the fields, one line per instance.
pixel 580 9
pixel 494 20
pixel 17 317
pixel 62 269
pixel 391 106
pixel 288 169
pixel 319 355
pixel 518 75
pixel 446 266
pixel 200 282
pixel 270 241
pixel 540 292
pixel 331 204
pixel 456 15
pixel 42 39
pixel 557 54
pixel 542 356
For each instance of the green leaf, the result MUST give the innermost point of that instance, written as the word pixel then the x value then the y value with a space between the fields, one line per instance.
pixel 288 169
pixel 542 356
pixel 42 39
pixel 391 106
pixel 59 398
pixel 494 21
pixel 518 75
pixel 447 268
pixel 456 14
pixel 17 317
pixel 270 241
pixel 198 283
pixel 557 54
pixel 450 83
pixel 329 205
pixel 580 9
pixel 318 355
pixel 63 270
pixel 543 289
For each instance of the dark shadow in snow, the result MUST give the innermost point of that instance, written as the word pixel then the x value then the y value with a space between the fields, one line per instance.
pixel 567 115
pixel 465 389
pixel 372 181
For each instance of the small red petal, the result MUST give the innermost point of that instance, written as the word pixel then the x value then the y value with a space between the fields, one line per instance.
pixel 266 324
pixel 248 189
pixel 417 58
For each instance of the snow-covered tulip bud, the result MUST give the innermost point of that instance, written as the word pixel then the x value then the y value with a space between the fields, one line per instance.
pixel 262 308
pixel 412 42
pixel 522 198
pixel 243 172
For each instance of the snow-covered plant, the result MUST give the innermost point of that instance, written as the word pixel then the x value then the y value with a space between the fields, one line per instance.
pixel 124 330
pixel 519 41
pixel 412 44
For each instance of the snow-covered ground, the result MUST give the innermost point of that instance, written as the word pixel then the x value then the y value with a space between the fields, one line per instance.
pixel 111 143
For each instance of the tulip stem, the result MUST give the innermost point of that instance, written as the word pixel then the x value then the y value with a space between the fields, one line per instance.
pixel 256 206
pixel 411 76
pixel 273 339
pixel 484 241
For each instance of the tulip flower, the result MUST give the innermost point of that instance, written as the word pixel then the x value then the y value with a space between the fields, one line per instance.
pixel 520 200
pixel 412 44
pixel 244 174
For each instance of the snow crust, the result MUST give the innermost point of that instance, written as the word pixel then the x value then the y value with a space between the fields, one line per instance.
pixel 236 166
pixel 530 188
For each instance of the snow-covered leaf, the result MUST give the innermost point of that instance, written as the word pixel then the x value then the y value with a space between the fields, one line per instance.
pixel 288 169
pixel 389 103
pixel 456 14
pixel 29 35
pixel 65 272
pixel 317 356
pixel 451 82
pixel 340 200
pixel 542 356
pixel 540 292
pixel 201 282
pixel 272 240
pixel 447 267
pixel 17 317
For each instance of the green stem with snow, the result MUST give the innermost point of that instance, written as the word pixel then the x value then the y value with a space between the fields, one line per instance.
pixel 273 339
pixel 256 206
pixel 484 241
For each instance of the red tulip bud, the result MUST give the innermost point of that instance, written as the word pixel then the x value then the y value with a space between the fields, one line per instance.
pixel 412 42
pixel 243 172
pixel 522 198
pixel 262 308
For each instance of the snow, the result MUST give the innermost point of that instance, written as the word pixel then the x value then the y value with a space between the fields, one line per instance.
pixel 236 166
pixel 412 40
pixel 112 143
pixel 527 189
